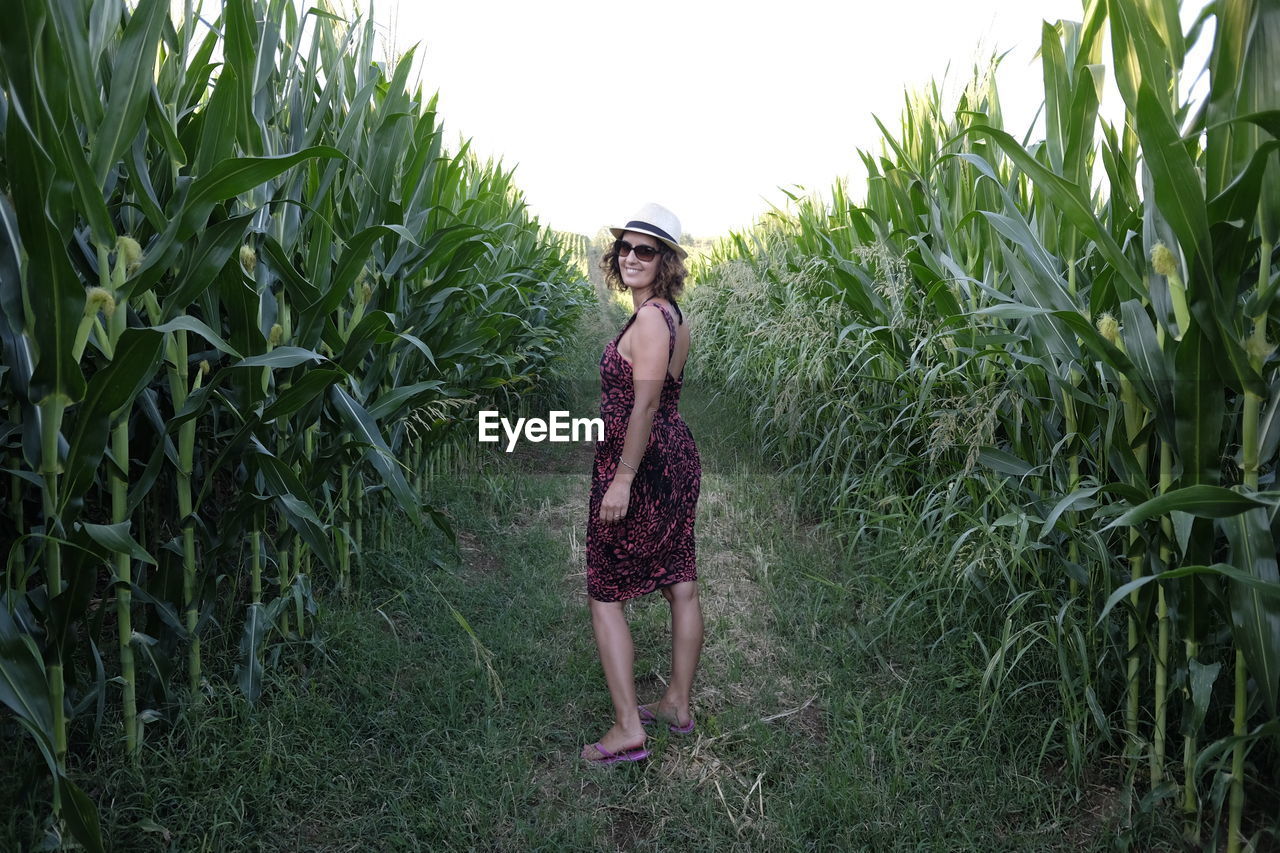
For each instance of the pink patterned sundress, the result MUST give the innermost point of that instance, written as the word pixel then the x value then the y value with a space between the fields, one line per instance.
pixel 653 545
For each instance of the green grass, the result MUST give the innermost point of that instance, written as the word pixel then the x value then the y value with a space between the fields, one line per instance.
pixel 394 731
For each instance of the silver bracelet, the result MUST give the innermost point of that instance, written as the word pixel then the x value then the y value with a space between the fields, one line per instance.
pixel 622 461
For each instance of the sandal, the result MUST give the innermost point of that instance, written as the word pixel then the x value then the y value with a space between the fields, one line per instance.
pixel 635 753
pixel 648 718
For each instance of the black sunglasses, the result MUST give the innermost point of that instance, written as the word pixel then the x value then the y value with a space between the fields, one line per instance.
pixel 644 253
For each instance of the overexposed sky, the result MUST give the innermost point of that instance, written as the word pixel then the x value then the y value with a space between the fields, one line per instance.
pixel 705 106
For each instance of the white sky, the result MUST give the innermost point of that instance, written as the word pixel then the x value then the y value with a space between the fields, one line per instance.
pixel 705 106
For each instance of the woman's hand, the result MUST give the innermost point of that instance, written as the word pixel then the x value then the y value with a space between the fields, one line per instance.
pixel 613 507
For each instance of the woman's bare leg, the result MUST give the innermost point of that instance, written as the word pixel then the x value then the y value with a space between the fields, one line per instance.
pixel 686 647
pixel 617 657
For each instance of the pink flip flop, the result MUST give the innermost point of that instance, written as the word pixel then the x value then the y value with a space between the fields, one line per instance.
pixel 648 718
pixel 638 753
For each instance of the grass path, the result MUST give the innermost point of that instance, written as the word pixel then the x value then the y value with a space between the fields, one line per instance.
pixel 820 726
pixel 822 723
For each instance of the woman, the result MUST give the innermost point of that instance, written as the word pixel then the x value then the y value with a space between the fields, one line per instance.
pixel 644 489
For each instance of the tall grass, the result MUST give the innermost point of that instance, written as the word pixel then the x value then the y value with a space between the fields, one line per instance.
pixel 1069 396
pixel 244 294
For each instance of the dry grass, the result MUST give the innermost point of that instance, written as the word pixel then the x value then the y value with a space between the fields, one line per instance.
pixel 475 557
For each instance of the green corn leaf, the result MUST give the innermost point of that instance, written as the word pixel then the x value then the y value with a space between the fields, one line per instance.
pixel 1163 15
pixel 232 449
pixel 92 205
pixel 1232 26
pixel 1138 54
pixel 1259 95
pixel 249 671
pixel 444 244
pixel 345 274
pixel 1057 95
pixel 43 114
pixel 240 174
pixel 1072 201
pixel 56 297
pixel 1267 589
pixel 225 180
pixel 20 42
pixel 1202 676
pixel 1080 139
pixel 162 129
pixel 144 191
pixel 163 609
pixel 416 342
pixel 206 260
pixel 281 357
pixel 1151 371
pixel 242 306
pixel 1268 120
pixel 12 313
pixel 136 360
pixel 392 402
pixel 1269 425
pixel 186 323
pixel 240 48
pixel 118 539
pixel 81 815
pixel 164 450
pixel 1231 353
pixel 458 347
pixel 1211 757
pixel 218 122
pixel 131 82
pixel 1178 192
pixel 361 339
pixel 283 483
pixel 1004 462
pixel 1203 501
pixel 195 80
pixel 66 16
pixel 24 688
pixel 310 387
pixel 1075 501
pixel 1239 199
pixel 1199 408
pixel 281 479
pixel 321 13
pixel 16 346
pixel 302 596
pixel 52 291
pixel 315 535
pixel 365 430
pixel 1256 616
pixel 1098 346
pixel 1042 282
pixel 300 291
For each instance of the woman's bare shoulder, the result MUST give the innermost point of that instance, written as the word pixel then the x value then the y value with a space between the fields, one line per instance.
pixel 650 321
pixel 679 315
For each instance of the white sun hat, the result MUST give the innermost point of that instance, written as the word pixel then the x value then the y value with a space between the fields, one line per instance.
pixel 656 221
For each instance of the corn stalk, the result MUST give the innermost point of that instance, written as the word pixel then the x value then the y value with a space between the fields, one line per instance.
pixel 245 230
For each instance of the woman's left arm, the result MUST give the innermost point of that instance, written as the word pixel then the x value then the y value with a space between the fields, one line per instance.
pixel 649 358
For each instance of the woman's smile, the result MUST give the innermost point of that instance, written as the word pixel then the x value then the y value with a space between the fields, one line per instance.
pixel 635 271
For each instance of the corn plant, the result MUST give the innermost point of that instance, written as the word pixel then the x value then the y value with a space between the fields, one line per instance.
pixel 235 260
pixel 1069 393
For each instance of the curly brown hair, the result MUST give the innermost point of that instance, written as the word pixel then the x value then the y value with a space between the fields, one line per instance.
pixel 668 282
